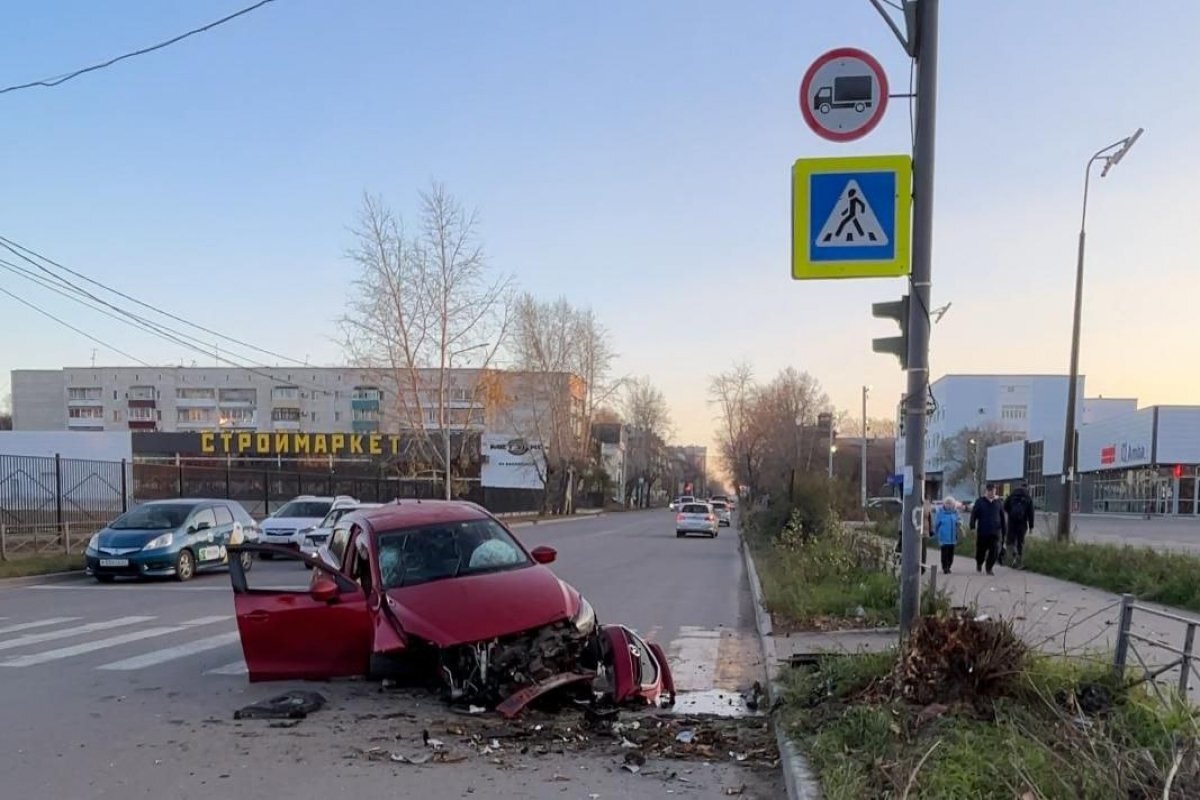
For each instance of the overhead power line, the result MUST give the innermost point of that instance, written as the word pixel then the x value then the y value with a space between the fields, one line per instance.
pixel 60 79
pixel 9 244
pixel 66 324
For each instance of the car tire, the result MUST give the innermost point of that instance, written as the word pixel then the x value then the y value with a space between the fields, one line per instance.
pixel 185 566
pixel 105 578
pixel 679 534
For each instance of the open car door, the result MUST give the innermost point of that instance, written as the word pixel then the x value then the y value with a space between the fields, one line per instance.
pixel 321 632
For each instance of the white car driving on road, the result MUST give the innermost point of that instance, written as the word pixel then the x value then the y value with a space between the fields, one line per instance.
pixel 721 509
pixel 696 518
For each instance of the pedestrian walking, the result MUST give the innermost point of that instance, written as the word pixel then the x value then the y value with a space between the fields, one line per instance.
pixel 1018 508
pixel 945 527
pixel 987 520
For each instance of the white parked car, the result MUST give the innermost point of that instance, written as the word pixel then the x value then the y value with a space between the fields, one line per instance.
pixel 313 538
pixel 287 526
pixel 724 514
pixel 696 518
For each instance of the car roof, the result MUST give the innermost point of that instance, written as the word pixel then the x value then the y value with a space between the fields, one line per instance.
pixel 416 513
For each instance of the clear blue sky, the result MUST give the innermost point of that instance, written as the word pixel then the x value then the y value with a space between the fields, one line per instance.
pixel 634 157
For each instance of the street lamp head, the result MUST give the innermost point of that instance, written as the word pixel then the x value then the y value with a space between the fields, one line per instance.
pixel 1116 157
pixel 833 448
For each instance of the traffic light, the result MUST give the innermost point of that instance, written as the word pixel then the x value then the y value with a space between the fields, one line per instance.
pixel 1178 471
pixel 896 345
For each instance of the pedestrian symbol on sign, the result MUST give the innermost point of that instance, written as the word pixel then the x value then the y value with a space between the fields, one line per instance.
pixel 851 222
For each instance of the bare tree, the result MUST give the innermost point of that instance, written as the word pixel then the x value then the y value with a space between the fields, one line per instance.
pixel 425 305
pixel 555 342
pixel 649 423
pixel 964 455
pixel 733 393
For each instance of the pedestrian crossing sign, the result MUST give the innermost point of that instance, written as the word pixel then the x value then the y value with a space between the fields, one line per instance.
pixel 851 217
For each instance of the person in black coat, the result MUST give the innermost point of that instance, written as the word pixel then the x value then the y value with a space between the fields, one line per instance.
pixel 1018 512
pixel 987 520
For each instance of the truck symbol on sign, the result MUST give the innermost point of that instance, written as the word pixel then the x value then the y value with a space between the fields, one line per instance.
pixel 851 91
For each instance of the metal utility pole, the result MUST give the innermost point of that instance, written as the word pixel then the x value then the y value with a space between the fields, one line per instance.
pixel 863 466
pixel 1111 156
pixel 922 42
pixel 832 450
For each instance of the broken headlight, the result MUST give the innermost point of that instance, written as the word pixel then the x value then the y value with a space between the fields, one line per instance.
pixel 585 618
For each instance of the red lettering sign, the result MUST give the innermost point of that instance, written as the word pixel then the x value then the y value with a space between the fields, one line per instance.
pixel 1108 455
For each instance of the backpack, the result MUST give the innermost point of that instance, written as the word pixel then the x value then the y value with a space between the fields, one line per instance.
pixel 1019 513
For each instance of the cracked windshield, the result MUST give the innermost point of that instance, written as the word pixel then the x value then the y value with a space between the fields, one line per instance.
pixel 536 400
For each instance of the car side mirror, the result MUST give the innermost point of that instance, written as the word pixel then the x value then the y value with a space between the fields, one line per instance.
pixel 324 590
pixel 544 555
pixel 200 526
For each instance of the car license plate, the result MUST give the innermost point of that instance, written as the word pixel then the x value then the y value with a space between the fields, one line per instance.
pixel 114 562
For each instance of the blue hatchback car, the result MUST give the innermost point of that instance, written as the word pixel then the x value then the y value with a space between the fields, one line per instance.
pixel 170 538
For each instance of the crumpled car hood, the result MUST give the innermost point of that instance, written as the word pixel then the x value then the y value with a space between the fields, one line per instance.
pixel 476 608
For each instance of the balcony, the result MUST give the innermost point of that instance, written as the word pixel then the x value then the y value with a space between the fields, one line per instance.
pixel 86 423
pixel 195 402
pixel 195 425
pixel 364 404
pixel 365 426
pixel 79 402
pixel 143 425
pixel 285 424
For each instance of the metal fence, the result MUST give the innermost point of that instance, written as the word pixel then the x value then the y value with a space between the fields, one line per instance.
pixel 1181 658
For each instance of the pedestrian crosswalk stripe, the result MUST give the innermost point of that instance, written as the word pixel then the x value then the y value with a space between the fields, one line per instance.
pixel 78 630
pixel 236 668
pixel 172 653
pixel 41 623
pixel 100 644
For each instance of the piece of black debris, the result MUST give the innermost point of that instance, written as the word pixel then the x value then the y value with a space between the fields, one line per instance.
pixel 289 705
pixel 634 757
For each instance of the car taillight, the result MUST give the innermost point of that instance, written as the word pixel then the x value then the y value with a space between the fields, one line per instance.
pixel 710 517
pixel 679 517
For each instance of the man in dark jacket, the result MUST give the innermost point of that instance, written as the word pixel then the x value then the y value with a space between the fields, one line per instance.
pixel 1018 510
pixel 987 520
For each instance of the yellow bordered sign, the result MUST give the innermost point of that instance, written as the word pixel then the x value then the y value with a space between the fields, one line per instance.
pixel 851 217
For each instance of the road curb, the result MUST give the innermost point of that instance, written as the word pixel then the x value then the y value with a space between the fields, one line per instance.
pixel 797 777
pixel 48 577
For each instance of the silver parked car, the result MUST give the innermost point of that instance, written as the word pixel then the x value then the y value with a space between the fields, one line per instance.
pixel 696 518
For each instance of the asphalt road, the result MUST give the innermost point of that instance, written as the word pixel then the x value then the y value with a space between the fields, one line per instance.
pixel 128 690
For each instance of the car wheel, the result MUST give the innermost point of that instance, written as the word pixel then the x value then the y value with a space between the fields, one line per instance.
pixel 106 578
pixel 247 561
pixel 185 566
pixel 678 534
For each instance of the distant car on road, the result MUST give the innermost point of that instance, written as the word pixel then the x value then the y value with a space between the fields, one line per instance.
pixel 696 518
pixel 288 526
pixel 721 509
pixel 721 498
pixel 170 538
pixel 679 502
pixel 313 538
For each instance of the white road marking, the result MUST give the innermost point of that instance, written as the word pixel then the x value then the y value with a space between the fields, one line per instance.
pixel 693 658
pixel 41 623
pixel 100 644
pixel 78 630
pixel 171 653
pixel 236 668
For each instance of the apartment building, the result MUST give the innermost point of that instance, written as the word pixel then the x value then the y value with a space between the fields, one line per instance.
pixel 279 399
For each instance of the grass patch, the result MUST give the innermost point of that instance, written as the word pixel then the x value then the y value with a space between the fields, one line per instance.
pixel 1169 578
pixel 1048 728
pixel 40 565
pixel 827 578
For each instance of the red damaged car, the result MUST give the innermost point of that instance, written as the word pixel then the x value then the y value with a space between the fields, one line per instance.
pixel 441 591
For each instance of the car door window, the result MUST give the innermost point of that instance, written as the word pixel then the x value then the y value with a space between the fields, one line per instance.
pixel 223 515
pixel 358 562
pixel 204 515
pixel 338 542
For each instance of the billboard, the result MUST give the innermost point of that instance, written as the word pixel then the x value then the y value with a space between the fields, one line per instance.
pixel 1118 442
pixel 512 462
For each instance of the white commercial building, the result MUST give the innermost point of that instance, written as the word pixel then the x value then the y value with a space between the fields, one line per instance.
pixel 996 407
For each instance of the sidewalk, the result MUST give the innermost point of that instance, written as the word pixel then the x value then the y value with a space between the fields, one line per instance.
pixel 1065 618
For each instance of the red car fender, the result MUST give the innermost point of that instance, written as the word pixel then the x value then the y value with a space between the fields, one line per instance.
pixel 389 637
pixel 666 680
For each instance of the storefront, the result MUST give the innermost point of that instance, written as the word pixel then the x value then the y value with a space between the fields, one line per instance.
pixel 1143 462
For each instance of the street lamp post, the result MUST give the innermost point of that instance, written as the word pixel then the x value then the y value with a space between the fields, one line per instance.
pixel 1111 156
pixel 832 450
pixel 863 466
pixel 975 465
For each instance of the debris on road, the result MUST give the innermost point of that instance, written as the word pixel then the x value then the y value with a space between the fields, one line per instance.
pixel 294 705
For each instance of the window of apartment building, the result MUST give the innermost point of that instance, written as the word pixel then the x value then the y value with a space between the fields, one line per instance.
pixel 141 393
pixel 116 415
pixel 86 412
pixel 337 416
pixel 285 393
pixel 196 394
pixel 466 416
pixel 366 393
pixel 313 416
pixel 195 414
pixel 1013 412
pixel 238 396
pixel 85 393
pixel 238 415
pixel 365 414
pixel 141 414
pixel 458 395
pixel 285 415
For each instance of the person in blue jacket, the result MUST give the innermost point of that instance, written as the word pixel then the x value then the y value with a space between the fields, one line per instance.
pixel 945 528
